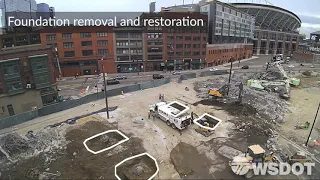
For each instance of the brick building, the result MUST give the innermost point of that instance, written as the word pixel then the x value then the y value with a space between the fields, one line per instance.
pixel 26 79
pixel 80 49
pixel 19 36
pixel 220 53
pixel 173 47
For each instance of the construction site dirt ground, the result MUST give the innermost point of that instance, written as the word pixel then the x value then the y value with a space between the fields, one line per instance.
pixel 186 154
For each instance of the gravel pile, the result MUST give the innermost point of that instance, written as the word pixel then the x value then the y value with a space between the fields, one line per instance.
pixel 267 104
pixel 14 147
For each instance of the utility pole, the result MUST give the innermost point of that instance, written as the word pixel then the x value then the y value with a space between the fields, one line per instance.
pixel 105 91
pixel 231 59
pixel 58 62
pixel 315 118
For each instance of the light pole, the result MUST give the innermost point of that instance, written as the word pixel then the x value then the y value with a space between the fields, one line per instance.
pixel 315 118
pixel 58 62
pixel 231 59
pixel 105 90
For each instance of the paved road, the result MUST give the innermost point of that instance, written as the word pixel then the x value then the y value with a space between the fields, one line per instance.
pixel 74 86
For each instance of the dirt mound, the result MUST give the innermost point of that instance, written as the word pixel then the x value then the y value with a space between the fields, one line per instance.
pixel 189 163
pixel 75 161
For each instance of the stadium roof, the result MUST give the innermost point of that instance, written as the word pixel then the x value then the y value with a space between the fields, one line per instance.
pixel 317 32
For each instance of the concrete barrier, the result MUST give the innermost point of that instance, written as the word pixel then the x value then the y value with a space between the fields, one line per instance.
pixel 18 119
pixel 216 72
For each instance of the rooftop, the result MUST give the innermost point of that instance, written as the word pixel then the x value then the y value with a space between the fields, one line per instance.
pixel 317 32
pixel 18 49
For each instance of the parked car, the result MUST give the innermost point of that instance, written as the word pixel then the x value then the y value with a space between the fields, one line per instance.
pixel 112 81
pixel 176 72
pixel 157 76
pixel 245 67
pixel 213 69
pixel 120 77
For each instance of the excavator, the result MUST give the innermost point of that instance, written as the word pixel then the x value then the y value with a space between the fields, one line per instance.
pixel 242 164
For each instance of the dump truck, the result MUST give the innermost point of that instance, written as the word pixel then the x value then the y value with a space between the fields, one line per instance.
pixel 175 114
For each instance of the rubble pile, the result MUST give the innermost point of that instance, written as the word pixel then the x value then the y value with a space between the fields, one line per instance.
pixel 267 104
pixel 15 147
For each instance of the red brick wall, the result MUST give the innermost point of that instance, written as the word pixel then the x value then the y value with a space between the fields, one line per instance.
pixel 109 59
pixel 214 53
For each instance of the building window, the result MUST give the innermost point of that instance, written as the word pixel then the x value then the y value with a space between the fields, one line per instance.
pixel 197 53
pixel 136 51
pixel 102 42
pixel 187 46
pixel 122 50
pixel 122 43
pixel 85 34
pixel 204 38
pixel 187 38
pixel 135 43
pixel 51 37
pixel 9 69
pixel 154 35
pixel 188 54
pixel 170 53
pixel 103 52
pixel 102 34
pixel 179 46
pixel 66 35
pixel 87 52
pixel 154 42
pixel 179 38
pixel 13 84
pixel 170 38
pixel 135 35
pixel 154 50
pixel 122 35
pixel 69 54
pixel 68 44
pixel 204 45
pixel 86 43
pixel 178 53
pixel 196 38
pixel 196 45
pixel 123 58
pixel 203 53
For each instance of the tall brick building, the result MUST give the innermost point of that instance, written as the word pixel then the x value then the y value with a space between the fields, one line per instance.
pixel 26 79
pixel 80 49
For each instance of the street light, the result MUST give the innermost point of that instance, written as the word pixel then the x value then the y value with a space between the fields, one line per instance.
pixel 231 59
pixel 315 118
pixel 105 88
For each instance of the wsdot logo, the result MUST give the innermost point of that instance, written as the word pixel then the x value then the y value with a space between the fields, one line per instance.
pixel 259 169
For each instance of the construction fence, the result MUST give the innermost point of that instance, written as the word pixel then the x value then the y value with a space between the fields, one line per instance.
pixel 54 108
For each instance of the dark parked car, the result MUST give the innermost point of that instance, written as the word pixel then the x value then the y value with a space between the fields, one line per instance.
pixel 112 81
pixel 245 67
pixel 157 76
pixel 120 77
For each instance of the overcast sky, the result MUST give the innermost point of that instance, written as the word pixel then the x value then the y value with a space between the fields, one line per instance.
pixel 307 10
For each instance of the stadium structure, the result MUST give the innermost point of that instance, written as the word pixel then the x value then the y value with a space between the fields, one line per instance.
pixel 276 29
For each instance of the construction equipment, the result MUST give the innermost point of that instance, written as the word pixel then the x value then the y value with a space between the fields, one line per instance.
pixel 175 114
pixel 214 93
pixel 299 157
pixel 303 126
pixel 242 164
pixel 207 124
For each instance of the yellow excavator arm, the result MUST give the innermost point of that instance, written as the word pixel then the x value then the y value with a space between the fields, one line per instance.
pixel 215 93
